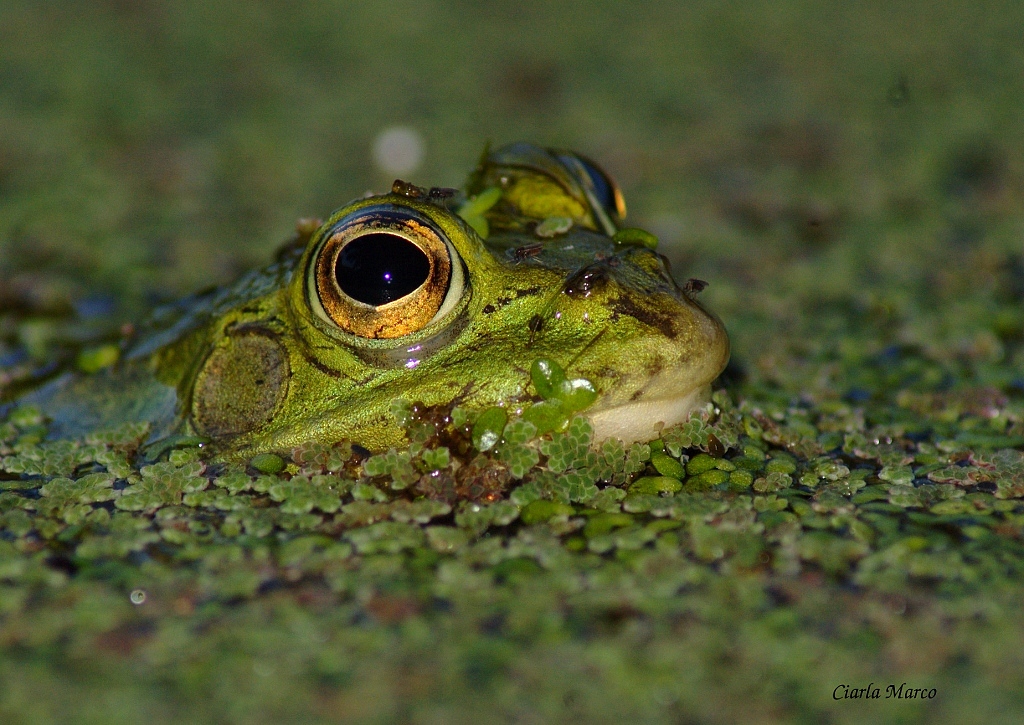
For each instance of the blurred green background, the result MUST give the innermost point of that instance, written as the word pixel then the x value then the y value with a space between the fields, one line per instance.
pixel 847 176
pixel 167 145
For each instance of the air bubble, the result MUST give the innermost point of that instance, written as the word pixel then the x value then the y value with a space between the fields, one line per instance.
pixel 398 150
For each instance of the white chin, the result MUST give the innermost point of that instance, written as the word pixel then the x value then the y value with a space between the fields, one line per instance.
pixel 644 419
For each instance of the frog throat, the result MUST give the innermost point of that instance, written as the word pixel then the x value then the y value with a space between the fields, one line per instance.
pixel 645 419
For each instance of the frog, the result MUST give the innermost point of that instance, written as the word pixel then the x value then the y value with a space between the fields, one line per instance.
pixel 440 296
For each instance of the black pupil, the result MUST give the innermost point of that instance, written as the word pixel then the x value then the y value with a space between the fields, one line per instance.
pixel 380 268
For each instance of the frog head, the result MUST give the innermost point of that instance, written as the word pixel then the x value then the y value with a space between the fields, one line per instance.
pixel 423 296
pixel 398 296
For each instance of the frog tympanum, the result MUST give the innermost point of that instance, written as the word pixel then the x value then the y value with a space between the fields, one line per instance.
pixel 435 296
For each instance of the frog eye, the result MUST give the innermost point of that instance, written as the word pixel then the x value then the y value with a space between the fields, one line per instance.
pixel 598 184
pixel 385 272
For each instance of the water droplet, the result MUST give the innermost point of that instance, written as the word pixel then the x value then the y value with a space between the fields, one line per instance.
pixel 138 596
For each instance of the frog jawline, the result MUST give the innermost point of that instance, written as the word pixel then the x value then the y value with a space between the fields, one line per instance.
pixel 644 420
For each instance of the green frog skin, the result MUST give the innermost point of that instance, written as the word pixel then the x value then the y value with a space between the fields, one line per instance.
pixel 431 296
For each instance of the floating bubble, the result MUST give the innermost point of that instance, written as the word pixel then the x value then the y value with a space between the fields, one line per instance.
pixel 398 150
pixel 138 596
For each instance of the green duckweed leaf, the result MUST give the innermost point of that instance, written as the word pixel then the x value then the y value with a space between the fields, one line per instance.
pixel 268 463
pixel 581 487
pixel 653 485
pixel 542 510
pixel 576 395
pixel 396 464
pixel 547 376
pixel 473 209
pixel 489 427
pixel 569 449
pixel 126 435
pixel 552 227
pixel 547 416
pixel 419 512
pixel 633 236
pixel 234 481
pixel 774 481
pixel 436 459
pixel 607 499
pixel 691 434
pixel 387 537
pixel 162 484
pixel 300 495
pixel 668 466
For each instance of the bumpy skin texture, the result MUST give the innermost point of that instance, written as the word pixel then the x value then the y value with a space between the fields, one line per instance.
pixel 259 367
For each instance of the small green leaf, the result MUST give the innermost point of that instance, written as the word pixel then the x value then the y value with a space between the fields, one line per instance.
pixel 699 464
pixel 652 485
pixel 548 377
pixel 401 411
pixel 553 226
pixel 397 464
pixel 420 512
pixel 446 539
pixel 387 537
pixel 633 236
pixel 472 212
pixel 741 478
pixel 668 466
pixel 482 202
pixel 436 459
pixel 300 495
pixel 602 524
pixel 268 463
pixel 577 394
pixel 707 479
pixel 460 416
pixel 519 457
pixel 547 415
pixel 551 384
pixel 526 494
pixel 488 428
pixel 607 499
pixel 520 431
pixel 581 486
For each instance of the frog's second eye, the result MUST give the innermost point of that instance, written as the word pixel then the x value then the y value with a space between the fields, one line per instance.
pixel 386 272
pixel 598 183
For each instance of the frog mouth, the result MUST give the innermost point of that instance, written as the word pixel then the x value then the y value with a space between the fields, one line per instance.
pixel 653 380
pixel 643 420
